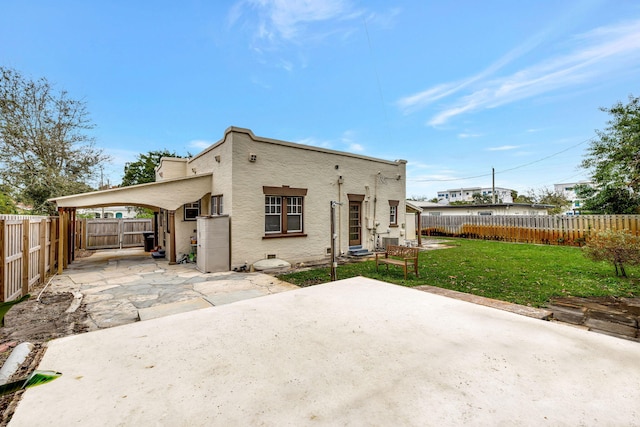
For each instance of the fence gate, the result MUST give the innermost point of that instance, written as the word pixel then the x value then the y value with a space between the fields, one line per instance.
pixel 116 233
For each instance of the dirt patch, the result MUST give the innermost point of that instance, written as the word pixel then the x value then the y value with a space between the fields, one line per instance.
pixel 36 322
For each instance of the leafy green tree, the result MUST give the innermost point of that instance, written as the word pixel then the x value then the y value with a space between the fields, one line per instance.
pixel 614 161
pixel 143 170
pixel 557 199
pixel 618 247
pixel 45 150
pixel 7 205
pixel 480 199
pixel 608 200
pixel 521 198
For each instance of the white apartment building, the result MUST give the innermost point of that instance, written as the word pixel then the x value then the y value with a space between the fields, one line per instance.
pixel 503 195
pixel 568 189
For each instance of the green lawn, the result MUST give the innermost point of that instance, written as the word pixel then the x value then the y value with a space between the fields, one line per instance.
pixel 520 273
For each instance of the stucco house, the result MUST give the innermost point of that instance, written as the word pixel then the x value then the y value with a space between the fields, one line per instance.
pixel 275 196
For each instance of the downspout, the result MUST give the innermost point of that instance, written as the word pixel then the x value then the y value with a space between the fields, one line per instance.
pixel 340 181
pixel 375 202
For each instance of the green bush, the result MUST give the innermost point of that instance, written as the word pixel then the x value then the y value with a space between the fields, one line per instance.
pixel 617 247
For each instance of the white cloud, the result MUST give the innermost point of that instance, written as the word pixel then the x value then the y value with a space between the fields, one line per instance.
pixel 593 55
pixel 465 135
pixel 200 144
pixel 315 142
pixel 358 148
pixel 503 148
pixel 287 20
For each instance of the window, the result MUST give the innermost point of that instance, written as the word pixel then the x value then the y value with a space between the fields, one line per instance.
pixel 272 213
pixel 393 213
pixel 216 205
pixel 275 222
pixel 191 211
pixel 283 211
pixel 294 214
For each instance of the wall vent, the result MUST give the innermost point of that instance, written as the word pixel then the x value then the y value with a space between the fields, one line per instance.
pixel 253 157
pixel 328 251
pixel 271 256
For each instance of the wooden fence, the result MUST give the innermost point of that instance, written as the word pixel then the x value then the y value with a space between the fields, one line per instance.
pixel 28 250
pixel 29 246
pixel 113 233
pixel 555 230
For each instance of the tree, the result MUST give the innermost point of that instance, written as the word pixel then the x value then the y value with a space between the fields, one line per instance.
pixel 614 160
pixel 608 200
pixel 521 198
pixel 143 170
pixel 45 151
pixel 557 199
pixel 619 247
pixel 7 206
pixel 483 199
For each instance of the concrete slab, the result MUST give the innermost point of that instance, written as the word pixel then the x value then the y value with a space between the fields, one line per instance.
pixel 172 308
pixel 229 297
pixel 352 352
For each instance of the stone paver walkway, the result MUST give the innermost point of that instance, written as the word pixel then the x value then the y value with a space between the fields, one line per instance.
pixel 116 284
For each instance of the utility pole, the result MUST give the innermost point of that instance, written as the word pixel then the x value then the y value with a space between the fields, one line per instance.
pixel 493 185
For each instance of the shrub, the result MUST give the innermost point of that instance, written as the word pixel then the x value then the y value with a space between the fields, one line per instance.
pixel 618 247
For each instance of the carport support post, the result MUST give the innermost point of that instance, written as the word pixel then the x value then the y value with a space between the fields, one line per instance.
pixel 172 237
pixel 61 237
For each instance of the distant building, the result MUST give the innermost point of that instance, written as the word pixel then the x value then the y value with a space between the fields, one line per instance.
pixel 438 209
pixel 568 190
pixel 503 195
pixel 109 212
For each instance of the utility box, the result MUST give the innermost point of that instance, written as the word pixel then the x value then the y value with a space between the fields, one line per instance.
pixel 213 244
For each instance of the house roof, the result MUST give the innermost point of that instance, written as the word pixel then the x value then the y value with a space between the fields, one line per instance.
pixel 168 194
pixel 412 207
pixel 251 135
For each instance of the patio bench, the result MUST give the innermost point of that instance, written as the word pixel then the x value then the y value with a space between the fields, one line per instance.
pixel 401 256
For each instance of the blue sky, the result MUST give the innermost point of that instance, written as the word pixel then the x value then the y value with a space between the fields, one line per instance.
pixel 455 88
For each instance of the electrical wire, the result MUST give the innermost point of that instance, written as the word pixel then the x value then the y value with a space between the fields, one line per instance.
pixel 505 170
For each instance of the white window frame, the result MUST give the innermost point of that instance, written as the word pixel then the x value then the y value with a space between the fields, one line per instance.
pixel 217 204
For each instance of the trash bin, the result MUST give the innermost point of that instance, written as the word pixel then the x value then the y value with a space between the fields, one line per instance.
pixel 148 240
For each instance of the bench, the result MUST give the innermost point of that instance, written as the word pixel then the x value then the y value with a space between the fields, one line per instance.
pixel 399 255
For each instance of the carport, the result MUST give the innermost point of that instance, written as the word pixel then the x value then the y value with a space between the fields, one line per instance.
pixel 169 195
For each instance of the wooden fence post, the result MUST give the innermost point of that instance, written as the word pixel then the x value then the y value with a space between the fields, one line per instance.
pixel 26 228
pixel 43 249
pixel 61 237
pixel 3 260
pixel 53 226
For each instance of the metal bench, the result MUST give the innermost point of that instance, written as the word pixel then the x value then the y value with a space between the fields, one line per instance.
pixel 401 256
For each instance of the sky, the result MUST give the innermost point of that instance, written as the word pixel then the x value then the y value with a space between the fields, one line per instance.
pixel 456 88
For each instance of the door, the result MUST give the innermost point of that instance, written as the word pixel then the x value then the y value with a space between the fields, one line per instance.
pixel 355 227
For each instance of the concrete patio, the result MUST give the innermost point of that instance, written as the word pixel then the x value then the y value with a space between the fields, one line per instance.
pixel 123 286
pixel 352 352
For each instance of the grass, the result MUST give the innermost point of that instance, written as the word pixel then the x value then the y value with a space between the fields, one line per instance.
pixel 519 273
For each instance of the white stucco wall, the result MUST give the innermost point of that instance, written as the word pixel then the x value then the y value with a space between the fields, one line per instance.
pixel 281 164
pixel 278 163
pixel 171 167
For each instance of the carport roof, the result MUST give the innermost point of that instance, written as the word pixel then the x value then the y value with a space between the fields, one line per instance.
pixel 168 194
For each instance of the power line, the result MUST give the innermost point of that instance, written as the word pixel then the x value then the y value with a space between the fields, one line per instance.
pixel 505 170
